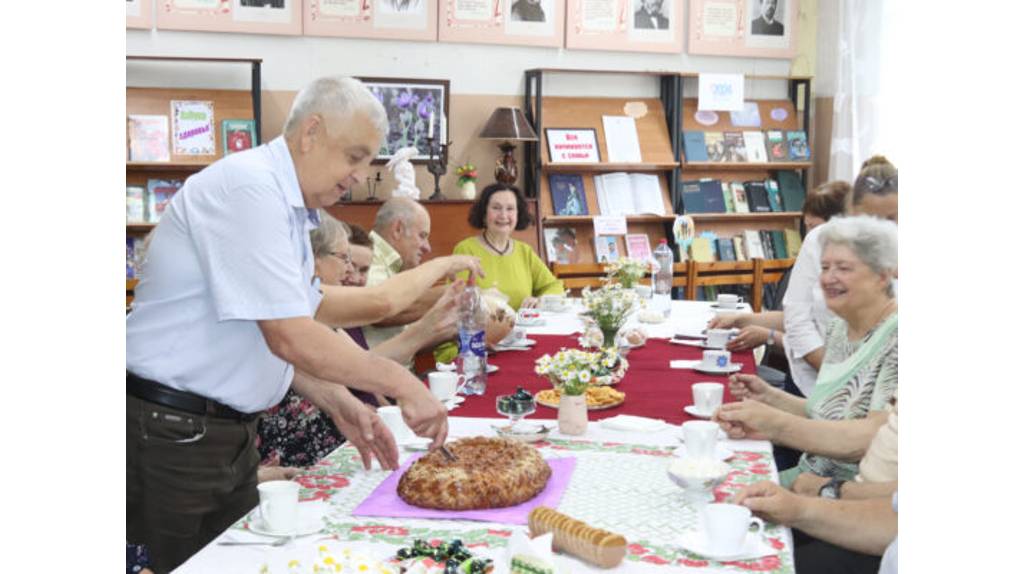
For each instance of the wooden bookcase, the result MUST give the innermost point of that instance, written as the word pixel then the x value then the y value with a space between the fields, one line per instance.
pixel 227 104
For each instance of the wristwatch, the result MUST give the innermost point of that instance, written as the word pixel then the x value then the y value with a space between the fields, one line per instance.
pixel 832 489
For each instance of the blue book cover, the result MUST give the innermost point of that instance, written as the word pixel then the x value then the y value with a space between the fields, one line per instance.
pixel 711 195
pixel 567 194
pixel 692 200
pixel 792 190
pixel 774 200
pixel 693 146
pixel 726 250
pixel 797 143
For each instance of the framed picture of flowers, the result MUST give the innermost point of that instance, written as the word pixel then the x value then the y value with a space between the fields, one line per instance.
pixel 416 109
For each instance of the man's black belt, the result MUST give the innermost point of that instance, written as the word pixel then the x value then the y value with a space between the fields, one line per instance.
pixel 155 392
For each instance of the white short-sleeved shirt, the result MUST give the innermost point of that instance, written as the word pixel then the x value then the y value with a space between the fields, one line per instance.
pixel 804 312
pixel 231 249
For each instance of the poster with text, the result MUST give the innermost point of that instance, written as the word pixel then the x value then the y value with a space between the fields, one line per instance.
pixel 625 25
pixel 244 16
pixel 519 22
pixel 192 128
pixel 756 28
pixel 383 19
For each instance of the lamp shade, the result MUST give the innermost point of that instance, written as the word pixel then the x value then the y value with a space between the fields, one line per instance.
pixel 508 124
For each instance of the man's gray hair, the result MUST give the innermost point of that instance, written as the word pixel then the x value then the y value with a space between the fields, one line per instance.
pixel 396 209
pixel 323 238
pixel 337 97
pixel 874 240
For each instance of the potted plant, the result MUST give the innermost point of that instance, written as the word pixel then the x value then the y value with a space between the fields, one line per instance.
pixel 467 180
pixel 627 272
pixel 609 307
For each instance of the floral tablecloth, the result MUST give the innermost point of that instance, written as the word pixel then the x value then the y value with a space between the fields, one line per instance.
pixel 620 486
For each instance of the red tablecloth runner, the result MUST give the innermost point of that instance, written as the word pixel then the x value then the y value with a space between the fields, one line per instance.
pixel 652 388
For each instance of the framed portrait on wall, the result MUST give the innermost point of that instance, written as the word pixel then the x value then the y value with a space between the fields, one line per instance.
pixel 625 25
pixel 246 16
pixel 384 19
pixel 519 22
pixel 415 108
pixel 755 28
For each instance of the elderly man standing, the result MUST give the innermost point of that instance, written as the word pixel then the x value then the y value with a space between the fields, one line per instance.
pixel 224 322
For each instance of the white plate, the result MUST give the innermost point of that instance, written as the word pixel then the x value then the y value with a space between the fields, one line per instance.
pixel 310 521
pixel 730 368
pixel 520 345
pixel 722 452
pixel 692 411
pixel 753 547
pixel 492 368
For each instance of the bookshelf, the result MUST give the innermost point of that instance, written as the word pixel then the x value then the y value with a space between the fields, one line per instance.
pixel 227 104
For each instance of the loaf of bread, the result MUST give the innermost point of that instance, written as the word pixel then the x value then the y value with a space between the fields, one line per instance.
pixel 598 547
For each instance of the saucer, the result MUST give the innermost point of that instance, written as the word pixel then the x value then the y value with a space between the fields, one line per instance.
pixel 692 411
pixel 310 521
pixel 738 307
pixel 523 432
pixel 728 369
pixel 722 452
pixel 754 546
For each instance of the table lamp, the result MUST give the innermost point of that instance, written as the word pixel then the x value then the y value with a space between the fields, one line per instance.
pixel 508 125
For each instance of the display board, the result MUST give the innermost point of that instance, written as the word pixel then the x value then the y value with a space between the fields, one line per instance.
pixel 625 25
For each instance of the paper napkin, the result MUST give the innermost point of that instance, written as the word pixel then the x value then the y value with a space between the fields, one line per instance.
pixel 632 423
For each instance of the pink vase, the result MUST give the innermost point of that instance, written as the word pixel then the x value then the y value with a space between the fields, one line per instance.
pixel 572 414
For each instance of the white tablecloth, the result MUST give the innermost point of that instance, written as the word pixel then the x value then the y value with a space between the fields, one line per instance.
pixel 687 317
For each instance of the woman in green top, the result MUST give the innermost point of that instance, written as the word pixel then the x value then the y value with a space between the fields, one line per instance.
pixel 511 266
pixel 858 376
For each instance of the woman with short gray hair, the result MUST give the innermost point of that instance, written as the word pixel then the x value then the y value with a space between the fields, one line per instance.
pixel 858 376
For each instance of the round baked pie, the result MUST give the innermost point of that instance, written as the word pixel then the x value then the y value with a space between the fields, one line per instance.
pixel 488 473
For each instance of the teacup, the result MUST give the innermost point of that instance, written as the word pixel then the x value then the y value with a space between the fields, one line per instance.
pixel 444 384
pixel 279 505
pixel 707 397
pixel 515 337
pixel 727 526
pixel 700 438
pixel 715 360
pixel 643 291
pixel 552 302
pixel 392 417
pixel 718 338
pixel 729 301
pixel 528 315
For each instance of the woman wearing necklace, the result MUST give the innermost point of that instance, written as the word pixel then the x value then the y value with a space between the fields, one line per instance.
pixel 858 376
pixel 511 266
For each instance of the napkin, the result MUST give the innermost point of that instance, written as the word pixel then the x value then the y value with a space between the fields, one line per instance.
pixel 691 342
pixel 632 423
pixel 533 552
pixel 684 364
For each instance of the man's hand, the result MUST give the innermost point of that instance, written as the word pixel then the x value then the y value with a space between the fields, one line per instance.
pixel 364 429
pixel 459 263
pixel 529 303
pixel 441 321
pixel 749 387
pixel 424 414
pixel 750 420
pixel 726 321
pixel 750 336
pixel 808 484
pixel 771 502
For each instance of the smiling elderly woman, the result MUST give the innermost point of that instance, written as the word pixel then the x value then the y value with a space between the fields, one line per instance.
pixel 858 376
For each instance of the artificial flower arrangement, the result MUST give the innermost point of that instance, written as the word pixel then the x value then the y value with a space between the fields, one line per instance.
pixel 466 173
pixel 627 272
pixel 573 370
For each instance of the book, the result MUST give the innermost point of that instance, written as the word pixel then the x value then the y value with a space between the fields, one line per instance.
pixel 752 244
pixel 777 148
pixel 774 200
pixel 726 252
pixel 567 194
pixel 779 243
pixel 606 249
pixel 147 138
pixel 702 196
pixel 737 245
pixel 237 135
pixel 793 242
pixel 130 258
pixel 623 193
pixel 735 148
pixel 638 246
pixel 730 206
pixel 796 141
pixel 192 127
pixel 754 142
pixel 701 250
pixel 561 245
pixel 135 204
pixel 159 193
pixel 792 190
pixel 766 244
pixel 693 146
pixel 757 196
pixel 714 143
pixel 739 197
pixel 621 139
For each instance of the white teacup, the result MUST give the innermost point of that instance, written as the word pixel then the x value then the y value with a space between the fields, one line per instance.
pixel 279 505
pixel 392 417
pixel 727 526
pixel 444 384
pixel 729 301
pixel 716 360
pixel 515 337
pixel 700 438
pixel 707 397
pixel 552 302
pixel 644 291
pixel 718 338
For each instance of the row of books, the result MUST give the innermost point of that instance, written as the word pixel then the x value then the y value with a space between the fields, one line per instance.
pixel 147 204
pixel 617 193
pixel 755 196
pixel 751 244
pixel 746 146
pixel 188 131
pixel 560 243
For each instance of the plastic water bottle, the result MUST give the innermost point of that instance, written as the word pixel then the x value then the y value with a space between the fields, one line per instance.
pixel 662 279
pixel 472 361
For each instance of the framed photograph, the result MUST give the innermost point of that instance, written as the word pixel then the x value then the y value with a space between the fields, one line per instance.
pixel 414 107
pixel 625 25
pixel 379 19
pixel 572 145
pixel 755 28
pixel 244 16
pixel 518 22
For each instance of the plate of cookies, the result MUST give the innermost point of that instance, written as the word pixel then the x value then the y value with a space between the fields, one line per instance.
pixel 598 398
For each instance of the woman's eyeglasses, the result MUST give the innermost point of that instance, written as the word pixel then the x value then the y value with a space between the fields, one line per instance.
pixel 344 257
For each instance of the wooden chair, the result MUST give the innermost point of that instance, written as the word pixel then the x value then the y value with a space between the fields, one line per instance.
pixel 576 276
pixel 754 273
pixel 130 291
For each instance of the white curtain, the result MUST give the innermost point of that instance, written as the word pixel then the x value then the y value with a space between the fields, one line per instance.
pixel 862 63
